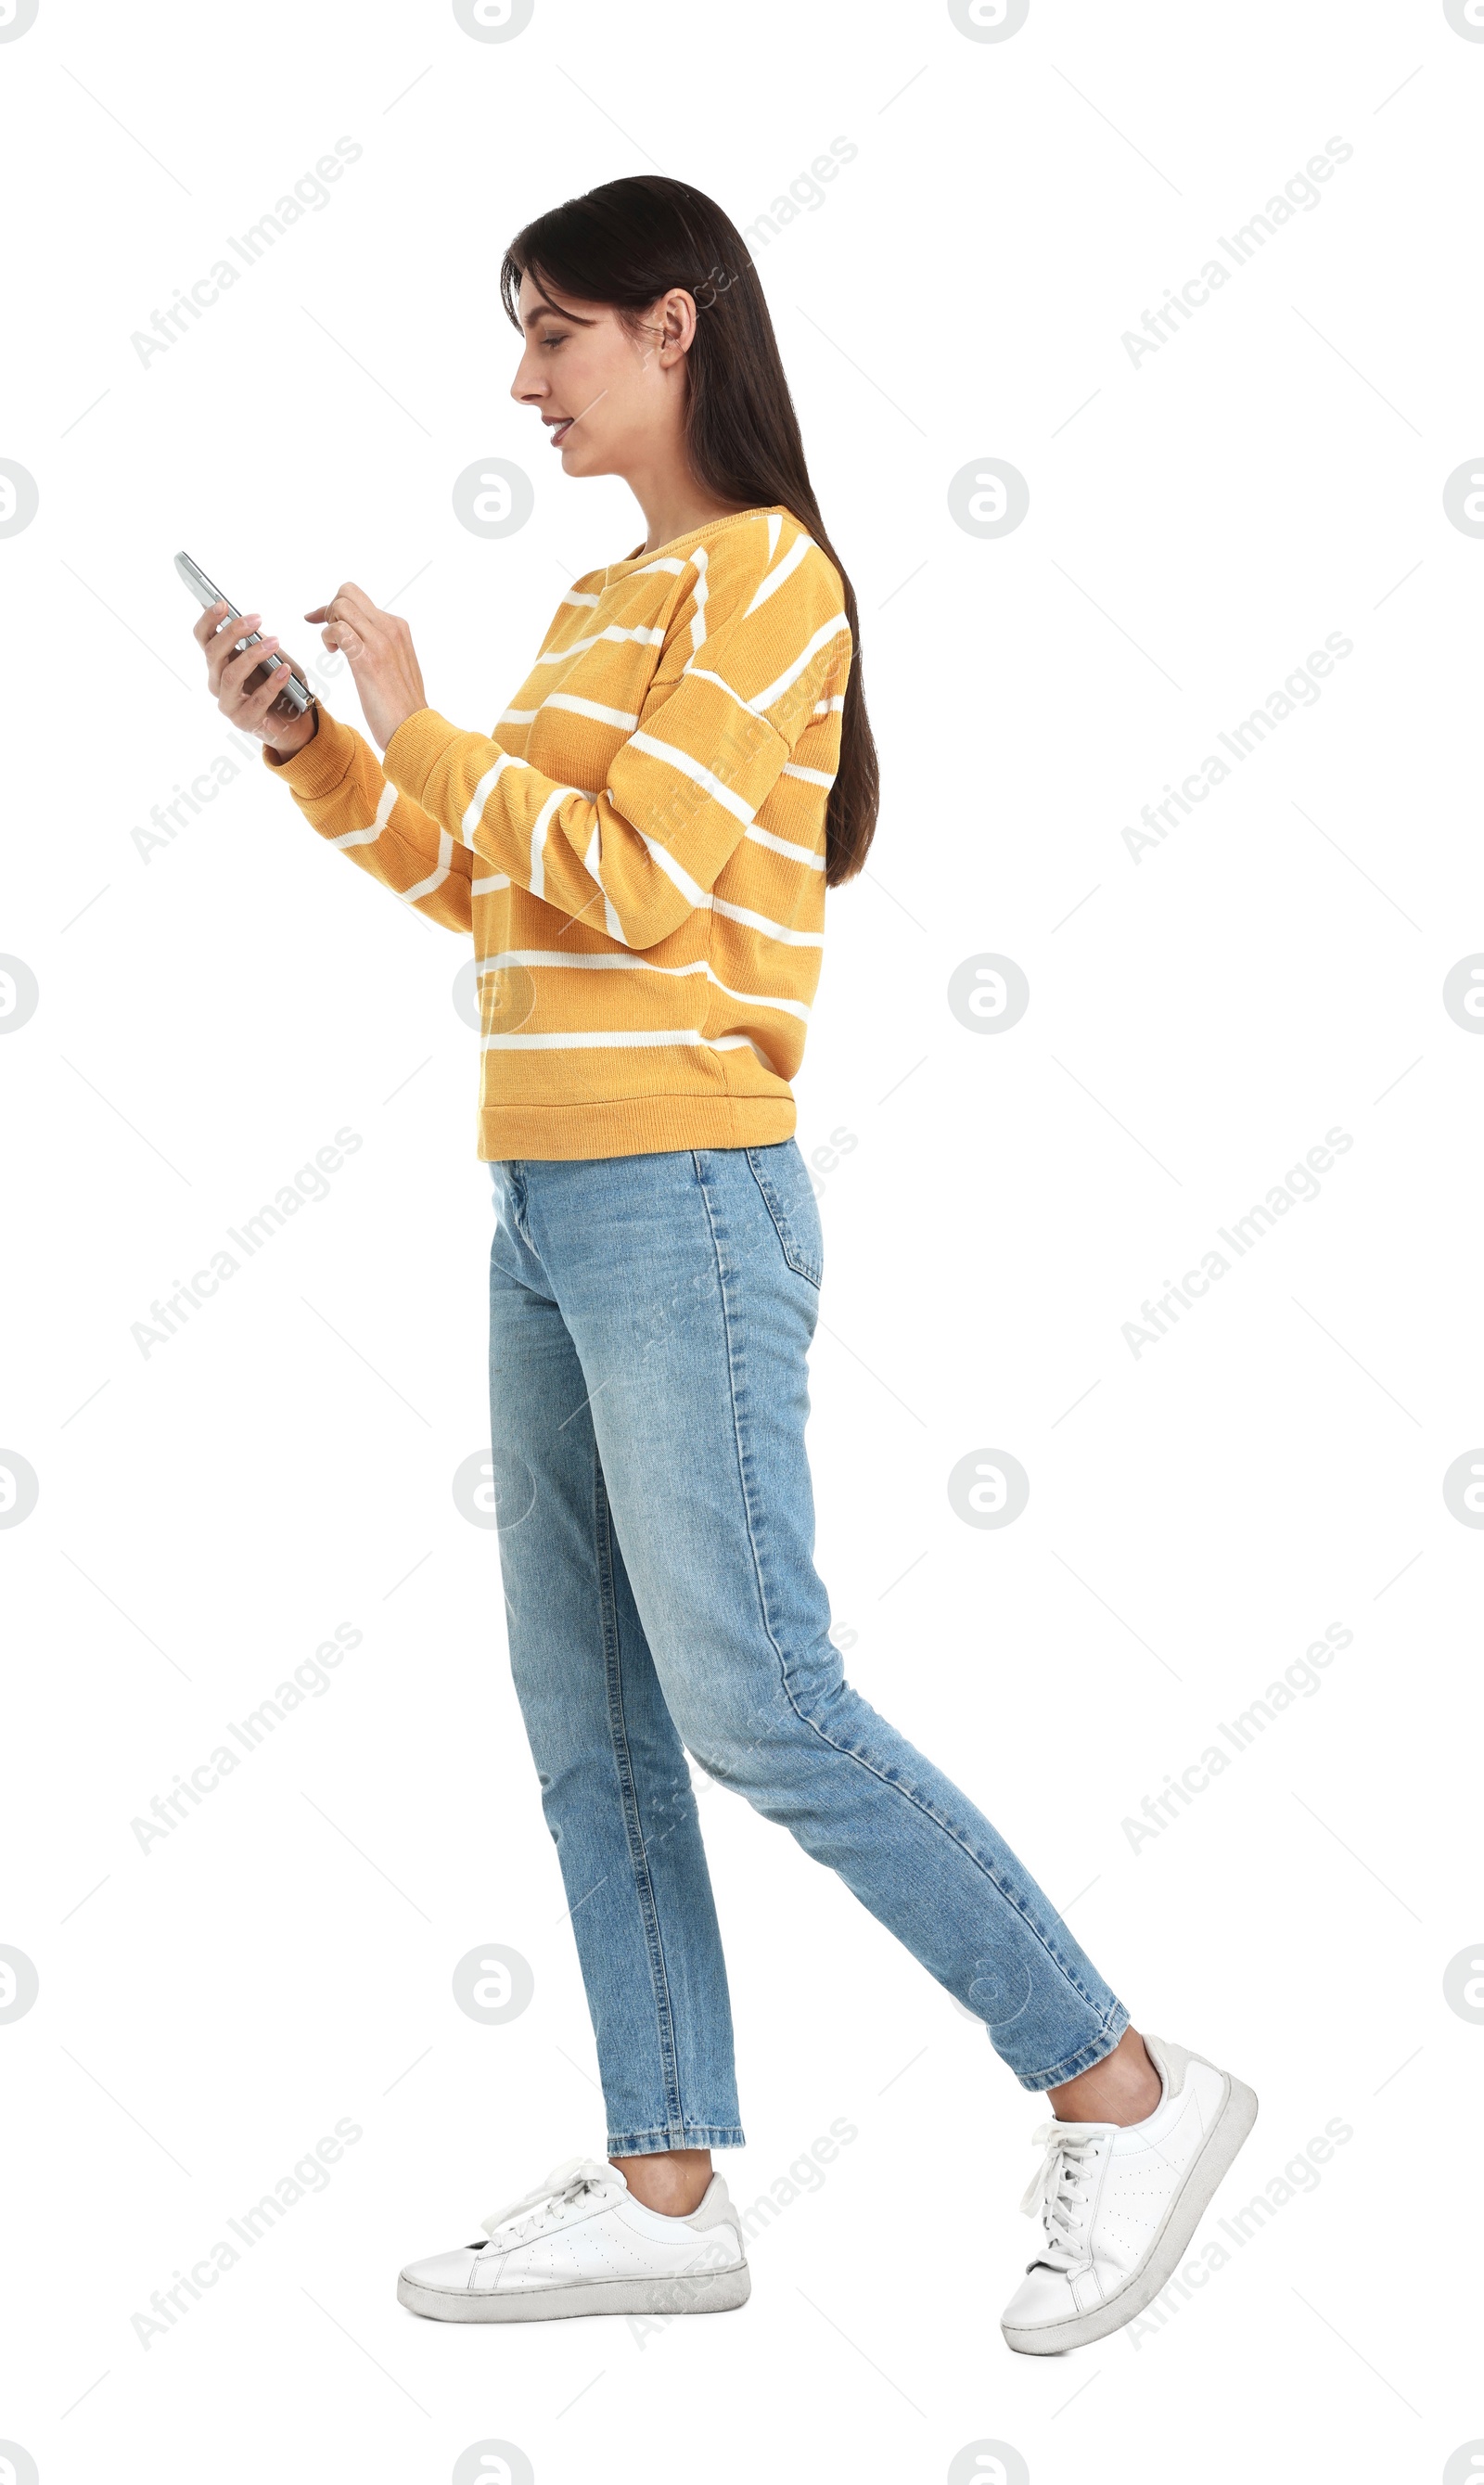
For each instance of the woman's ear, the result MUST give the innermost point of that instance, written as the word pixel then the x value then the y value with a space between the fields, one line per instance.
pixel 677 322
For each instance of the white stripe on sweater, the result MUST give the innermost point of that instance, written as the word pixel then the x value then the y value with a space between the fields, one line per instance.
pixel 475 811
pixel 699 673
pixel 826 631
pixel 435 879
pixel 596 1043
pixel 759 1001
pixel 785 846
pixel 685 766
pixel 763 923
pixel 369 837
pixel 590 707
pixel 641 636
pixel 673 871
pixel 784 570
pixel 735 1043
pixel 538 882
pixel 601 962
pixel 592 865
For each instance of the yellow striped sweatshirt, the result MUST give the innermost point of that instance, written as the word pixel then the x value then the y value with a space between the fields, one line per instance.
pixel 637 849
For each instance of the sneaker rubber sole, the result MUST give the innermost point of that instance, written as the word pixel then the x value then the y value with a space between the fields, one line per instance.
pixel 1235 2118
pixel 715 2291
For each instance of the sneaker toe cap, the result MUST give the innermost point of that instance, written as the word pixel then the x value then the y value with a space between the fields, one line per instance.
pixel 449 2270
pixel 1043 2296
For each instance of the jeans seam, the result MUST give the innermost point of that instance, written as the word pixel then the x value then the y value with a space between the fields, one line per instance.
pixel 779 1215
pixel 1093 2051
pixel 897 1784
pixel 520 1201
pixel 639 1861
pixel 694 2135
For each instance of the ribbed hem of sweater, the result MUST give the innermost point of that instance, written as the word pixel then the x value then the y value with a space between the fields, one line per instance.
pixel 323 763
pixel 638 1126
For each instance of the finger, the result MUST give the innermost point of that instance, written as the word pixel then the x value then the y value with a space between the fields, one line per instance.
pixel 234 626
pixel 237 666
pixel 250 708
pixel 220 651
pixel 351 602
pixel 296 669
pixel 206 627
pixel 259 700
pixel 223 634
pixel 241 668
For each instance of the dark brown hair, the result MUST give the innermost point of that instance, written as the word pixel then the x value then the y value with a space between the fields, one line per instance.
pixel 626 244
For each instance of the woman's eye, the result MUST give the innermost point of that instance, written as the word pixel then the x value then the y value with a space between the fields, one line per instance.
pixel 554 340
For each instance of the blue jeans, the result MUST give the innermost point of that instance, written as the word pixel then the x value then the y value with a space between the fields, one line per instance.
pixel 650 1317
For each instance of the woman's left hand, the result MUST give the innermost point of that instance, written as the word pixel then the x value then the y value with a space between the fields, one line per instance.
pixel 378 648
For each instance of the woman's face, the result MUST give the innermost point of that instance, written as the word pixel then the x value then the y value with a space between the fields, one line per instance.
pixel 611 401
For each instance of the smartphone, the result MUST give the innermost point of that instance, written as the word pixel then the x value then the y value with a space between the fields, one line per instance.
pixel 293 699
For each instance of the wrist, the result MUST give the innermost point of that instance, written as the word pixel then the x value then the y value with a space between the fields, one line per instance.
pixel 403 720
pixel 285 747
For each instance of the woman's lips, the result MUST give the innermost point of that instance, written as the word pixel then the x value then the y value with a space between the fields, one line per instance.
pixel 560 430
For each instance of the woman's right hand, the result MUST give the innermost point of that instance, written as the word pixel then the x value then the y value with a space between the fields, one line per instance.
pixel 228 676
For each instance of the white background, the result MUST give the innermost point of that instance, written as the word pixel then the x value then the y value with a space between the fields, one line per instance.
pixel 1199 1020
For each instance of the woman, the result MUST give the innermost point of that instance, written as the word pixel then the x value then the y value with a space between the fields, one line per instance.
pixel 641 851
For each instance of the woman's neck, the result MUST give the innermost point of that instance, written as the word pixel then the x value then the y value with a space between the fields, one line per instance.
pixel 676 505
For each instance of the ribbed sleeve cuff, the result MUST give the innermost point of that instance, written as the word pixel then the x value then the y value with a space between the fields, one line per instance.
pixel 322 764
pixel 415 749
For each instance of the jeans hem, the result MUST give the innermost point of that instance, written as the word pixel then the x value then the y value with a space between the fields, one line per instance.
pixel 688 2135
pixel 1094 2051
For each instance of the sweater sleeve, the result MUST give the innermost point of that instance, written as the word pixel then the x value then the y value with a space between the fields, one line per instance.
pixel 338 784
pixel 746 657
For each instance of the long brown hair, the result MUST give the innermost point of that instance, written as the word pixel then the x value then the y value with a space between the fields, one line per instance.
pixel 626 244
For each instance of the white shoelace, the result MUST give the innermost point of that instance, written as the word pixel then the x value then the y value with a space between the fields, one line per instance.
pixel 556 2192
pixel 1060 2191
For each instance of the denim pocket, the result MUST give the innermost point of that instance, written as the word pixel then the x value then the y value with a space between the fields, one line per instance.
pixel 782 1178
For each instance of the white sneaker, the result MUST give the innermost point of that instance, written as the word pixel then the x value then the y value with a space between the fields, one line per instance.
pixel 581 2243
pixel 1120 2203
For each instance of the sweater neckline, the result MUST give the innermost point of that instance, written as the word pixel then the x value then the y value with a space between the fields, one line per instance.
pixel 713 526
